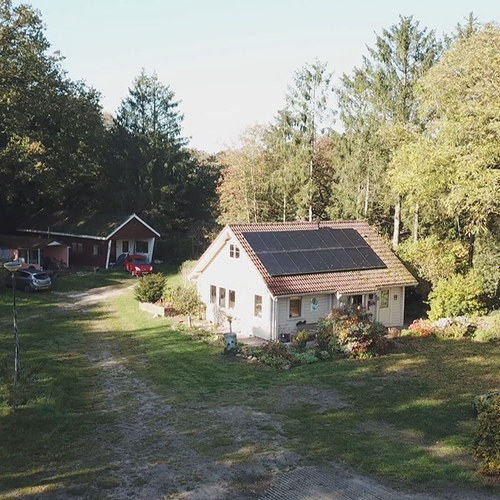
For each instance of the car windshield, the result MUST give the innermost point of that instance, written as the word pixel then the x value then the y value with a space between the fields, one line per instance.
pixel 140 260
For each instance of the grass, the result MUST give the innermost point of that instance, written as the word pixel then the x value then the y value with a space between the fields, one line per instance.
pixel 55 395
pixel 406 418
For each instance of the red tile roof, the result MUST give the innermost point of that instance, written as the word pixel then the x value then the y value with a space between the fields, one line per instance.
pixel 344 282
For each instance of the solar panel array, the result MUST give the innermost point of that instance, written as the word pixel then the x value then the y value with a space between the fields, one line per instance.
pixel 286 253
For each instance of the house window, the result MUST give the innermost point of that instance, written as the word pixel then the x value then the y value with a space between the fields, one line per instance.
pixel 314 304
pixel 213 294
pixel 125 246
pixel 141 246
pixel 80 247
pixel 257 306
pixel 234 252
pixel 384 298
pixel 96 250
pixel 222 297
pixel 232 299
pixel 356 300
pixel 295 307
pixel 77 247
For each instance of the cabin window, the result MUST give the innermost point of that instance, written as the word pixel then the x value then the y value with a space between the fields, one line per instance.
pixel 295 307
pixel 222 297
pixel 384 298
pixel 77 247
pixel 257 306
pixel 232 299
pixel 141 246
pixel 125 246
pixel 213 294
pixel 234 252
pixel 96 250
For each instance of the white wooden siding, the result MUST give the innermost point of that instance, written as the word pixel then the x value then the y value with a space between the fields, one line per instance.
pixel 394 314
pixel 289 325
pixel 397 300
pixel 240 275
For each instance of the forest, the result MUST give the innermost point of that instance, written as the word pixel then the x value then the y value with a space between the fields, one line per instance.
pixel 409 141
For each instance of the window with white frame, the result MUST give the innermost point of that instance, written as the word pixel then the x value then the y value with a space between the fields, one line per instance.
pixel 125 246
pixel 295 309
pixel 384 298
pixel 257 306
pixel 222 297
pixel 213 294
pixel 232 299
pixel 234 252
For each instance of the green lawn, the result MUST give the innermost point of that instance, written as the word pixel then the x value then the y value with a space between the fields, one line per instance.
pixel 406 417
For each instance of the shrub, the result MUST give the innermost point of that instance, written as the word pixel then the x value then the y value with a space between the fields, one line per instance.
pixel 456 328
pixel 350 332
pixel 150 287
pixel 488 328
pixel 275 349
pixel 185 299
pixel 459 295
pixel 300 339
pixel 275 361
pixel 486 445
pixel 421 328
pixel 303 358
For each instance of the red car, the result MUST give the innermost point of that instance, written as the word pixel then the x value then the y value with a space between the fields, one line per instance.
pixel 138 265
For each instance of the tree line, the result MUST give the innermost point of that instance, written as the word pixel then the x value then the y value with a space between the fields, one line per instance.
pixel 408 140
pixel 59 151
pixel 417 155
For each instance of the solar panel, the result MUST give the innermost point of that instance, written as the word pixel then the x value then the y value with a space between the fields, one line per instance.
pixel 301 262
pixel 286 263
pixel 272 244
pixel 355 238
pixel 255 242
pixel 288 253
pixel 270 263
pixel 286 241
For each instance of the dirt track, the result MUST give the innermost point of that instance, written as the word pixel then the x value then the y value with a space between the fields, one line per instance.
pixel 157 451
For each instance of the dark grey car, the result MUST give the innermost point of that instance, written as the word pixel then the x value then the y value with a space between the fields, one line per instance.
pixel 30 280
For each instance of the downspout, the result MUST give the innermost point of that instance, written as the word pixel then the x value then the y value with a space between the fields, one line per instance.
pixel 272 331
pixel 108 254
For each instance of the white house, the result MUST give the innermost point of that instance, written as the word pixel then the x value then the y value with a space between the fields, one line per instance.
pixel 271 279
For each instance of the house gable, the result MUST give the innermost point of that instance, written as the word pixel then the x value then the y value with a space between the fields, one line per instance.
pixel 226 272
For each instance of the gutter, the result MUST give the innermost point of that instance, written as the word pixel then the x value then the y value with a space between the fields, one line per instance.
pixel 71 235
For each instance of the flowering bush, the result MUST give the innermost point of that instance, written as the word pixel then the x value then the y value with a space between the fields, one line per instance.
pixel 350 332
pixel 421 328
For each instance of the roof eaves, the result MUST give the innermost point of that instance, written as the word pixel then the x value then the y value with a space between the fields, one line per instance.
pixel 71 235
pixel 133 216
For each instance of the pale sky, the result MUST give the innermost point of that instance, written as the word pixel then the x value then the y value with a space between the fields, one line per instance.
pixel 228 61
